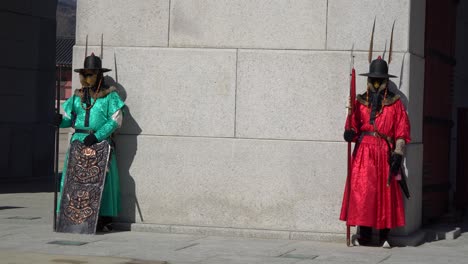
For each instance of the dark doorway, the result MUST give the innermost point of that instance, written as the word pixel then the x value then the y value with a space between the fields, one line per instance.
pixel 461 195
pixel 438 101
pixel 27 95
pixel 460 141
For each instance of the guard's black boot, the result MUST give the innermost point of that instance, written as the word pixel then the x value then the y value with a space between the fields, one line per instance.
pixel 365 236
pixel 99 225
pixel 384 238
pixel 107 224
pixel 104 224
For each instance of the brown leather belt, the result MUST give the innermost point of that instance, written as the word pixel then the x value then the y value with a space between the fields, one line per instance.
pixel 370 133
pixel 387 139
pixel 377 134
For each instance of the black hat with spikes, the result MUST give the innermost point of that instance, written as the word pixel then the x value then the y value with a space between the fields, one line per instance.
pixel 92 62
pixel 378 68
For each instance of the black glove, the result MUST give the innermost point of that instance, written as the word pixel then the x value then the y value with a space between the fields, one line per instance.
pixel 57 119
pixel 349 135
pixel 395 162
pixel 90 140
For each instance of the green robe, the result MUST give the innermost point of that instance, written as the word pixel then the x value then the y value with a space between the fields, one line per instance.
pixel 108 102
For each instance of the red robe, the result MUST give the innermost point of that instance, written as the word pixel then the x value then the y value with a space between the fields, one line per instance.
pixel 370 202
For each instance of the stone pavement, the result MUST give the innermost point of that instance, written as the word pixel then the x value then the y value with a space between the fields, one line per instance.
pixel 26 236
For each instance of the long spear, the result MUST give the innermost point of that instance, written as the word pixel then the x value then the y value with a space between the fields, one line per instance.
pixel 56 153
pixel 352 98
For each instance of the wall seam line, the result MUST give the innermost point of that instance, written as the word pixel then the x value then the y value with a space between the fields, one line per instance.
pixel 169 25
pixel 235 93
pixel 326 28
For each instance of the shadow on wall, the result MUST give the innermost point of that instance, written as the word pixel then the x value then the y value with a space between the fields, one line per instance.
pixel 126 148
pixel 412 164
pixel 396 89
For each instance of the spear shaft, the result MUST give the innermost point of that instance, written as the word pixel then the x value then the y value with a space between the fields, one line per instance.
pixel 352 98
pixel 56 156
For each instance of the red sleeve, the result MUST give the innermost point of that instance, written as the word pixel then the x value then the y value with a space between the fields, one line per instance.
pixel 402 125
pixel 354 120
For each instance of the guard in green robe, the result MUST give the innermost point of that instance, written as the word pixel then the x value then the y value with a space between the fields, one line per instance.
pixel 95 112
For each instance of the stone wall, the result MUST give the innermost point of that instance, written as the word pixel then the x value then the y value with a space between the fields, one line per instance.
pixel 236 109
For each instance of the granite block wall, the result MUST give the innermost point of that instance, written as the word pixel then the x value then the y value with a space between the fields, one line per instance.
pixel 236 108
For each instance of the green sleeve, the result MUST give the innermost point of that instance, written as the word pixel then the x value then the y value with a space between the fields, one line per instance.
pixel 66 122
pixel 68 108
pixel 114 104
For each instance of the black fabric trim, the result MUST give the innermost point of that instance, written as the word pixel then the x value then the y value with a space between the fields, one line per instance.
pixel 86 121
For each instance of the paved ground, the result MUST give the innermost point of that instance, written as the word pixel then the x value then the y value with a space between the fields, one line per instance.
pixel 26 237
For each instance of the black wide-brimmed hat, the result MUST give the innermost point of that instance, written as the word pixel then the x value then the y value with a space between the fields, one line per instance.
pixel 378 69
pixel 92 62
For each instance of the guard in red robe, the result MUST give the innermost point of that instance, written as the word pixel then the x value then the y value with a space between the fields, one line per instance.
pixel 380 128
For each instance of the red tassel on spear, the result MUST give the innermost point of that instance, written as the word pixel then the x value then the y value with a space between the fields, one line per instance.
pixel 352 99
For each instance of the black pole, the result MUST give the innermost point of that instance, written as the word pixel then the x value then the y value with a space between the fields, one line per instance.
pixel 57 132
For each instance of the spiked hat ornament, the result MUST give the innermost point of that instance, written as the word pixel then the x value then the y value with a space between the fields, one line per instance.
pixel 378 68
pixel 93 62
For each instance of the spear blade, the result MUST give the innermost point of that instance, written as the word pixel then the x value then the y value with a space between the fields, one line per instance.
pixel 371 45
pixel 391 45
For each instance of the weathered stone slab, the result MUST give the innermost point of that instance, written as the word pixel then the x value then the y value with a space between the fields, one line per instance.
pixel 414 70
pixel 178 91
pixel 351 22
pixel 297 24
pixel 250 184
pixel 417 27
pixel 123 23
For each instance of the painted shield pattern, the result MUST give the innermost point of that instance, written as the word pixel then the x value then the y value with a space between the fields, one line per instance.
pixel 83 186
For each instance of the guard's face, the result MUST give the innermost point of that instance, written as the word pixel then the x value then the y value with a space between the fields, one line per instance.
pixel 376 82
pixel 88 78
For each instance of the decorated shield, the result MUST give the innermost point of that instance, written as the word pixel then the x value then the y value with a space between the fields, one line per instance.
pixel 83 186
